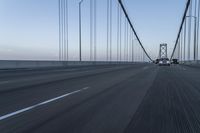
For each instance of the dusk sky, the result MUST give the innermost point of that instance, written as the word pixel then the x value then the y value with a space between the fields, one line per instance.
pixel 29 28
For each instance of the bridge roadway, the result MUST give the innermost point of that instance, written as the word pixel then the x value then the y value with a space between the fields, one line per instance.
pixel 142 98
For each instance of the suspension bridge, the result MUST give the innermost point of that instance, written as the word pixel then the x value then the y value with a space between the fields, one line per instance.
pixel 111 85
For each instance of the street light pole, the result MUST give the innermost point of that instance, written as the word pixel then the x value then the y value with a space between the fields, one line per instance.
pixel 80 37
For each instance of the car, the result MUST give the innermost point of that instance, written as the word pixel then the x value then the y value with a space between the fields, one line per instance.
pixel 156 61
pixel 164 62
pixel 175 61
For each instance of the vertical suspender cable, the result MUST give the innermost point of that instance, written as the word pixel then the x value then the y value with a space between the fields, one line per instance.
pixel 141 55
pixel 182 43
pixel 91 30
pixel 61 23
pixel 62 30
pixel 67 32
pixel 189 29
pixel 185 32
pixel 110 30
pixel 59 2
pixel 120 34
pixel 127 30
pixel 181 46
pixel 129 44
pixel 117 31
pixel 132 47
pixel 64 23
pixel 125 39
pixel 95 30
pixel 195 28
pixel 108 12
pixel 198 20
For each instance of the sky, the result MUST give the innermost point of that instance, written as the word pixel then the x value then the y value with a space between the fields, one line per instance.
pixel 29 28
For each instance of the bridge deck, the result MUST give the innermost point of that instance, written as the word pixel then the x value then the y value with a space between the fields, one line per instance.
pixel 139 99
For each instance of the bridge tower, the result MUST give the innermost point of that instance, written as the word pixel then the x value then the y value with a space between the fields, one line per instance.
pixel 163 51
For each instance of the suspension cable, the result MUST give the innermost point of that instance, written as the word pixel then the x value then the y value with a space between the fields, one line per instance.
pixel 180 29
pixel 130 23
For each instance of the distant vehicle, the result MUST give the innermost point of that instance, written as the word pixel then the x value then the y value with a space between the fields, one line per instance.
pixel 175 61
pixel 164 62
pixel 157 61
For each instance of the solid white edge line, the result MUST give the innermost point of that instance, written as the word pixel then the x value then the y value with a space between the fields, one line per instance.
pixel 40 104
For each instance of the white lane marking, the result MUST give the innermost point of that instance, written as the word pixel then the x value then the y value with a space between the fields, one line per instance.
pixel 65 70
pixel 183 68
pixel 4 82
pixel 40 104
pixel 146 67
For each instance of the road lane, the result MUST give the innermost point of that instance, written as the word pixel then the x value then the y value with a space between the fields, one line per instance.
pixel 21 73
pixel 139 99
pixel 171 104
pixel 11 101
pixel 105 88
pixel 41 78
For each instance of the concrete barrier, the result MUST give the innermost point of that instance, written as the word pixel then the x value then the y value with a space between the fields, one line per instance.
pixel 195 64
pixel 23 64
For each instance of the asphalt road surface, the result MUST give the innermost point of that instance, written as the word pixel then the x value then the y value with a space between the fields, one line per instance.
pixel 142 98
